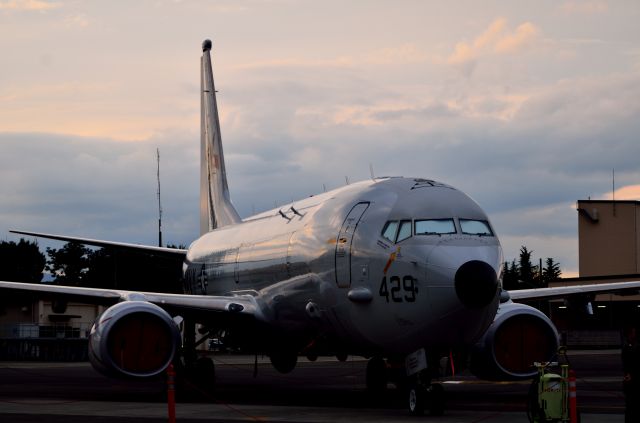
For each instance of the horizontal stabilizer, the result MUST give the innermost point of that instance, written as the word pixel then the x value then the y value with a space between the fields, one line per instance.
pixel 148 249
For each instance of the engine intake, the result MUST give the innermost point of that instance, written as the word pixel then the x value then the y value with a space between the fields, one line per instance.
pixel 133 339
pixel 519 336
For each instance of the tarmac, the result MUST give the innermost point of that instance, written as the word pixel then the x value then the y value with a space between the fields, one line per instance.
pixel 324 391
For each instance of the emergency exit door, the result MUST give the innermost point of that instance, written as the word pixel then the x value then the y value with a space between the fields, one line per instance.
pixel 343 244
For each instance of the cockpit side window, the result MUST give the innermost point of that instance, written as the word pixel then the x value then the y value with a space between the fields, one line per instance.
pixel 434 227
pixel 475 227
pixel 405 230
pixel 390 229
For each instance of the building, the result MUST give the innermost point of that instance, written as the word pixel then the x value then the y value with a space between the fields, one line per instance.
pixel 609 251
pixel 45 330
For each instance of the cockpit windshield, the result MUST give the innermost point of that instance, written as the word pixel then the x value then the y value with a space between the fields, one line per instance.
pixel 435 227
pixel 475 227
pixel 396 231
pixel 390 229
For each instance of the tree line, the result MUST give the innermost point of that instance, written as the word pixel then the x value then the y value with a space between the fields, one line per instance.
pixel 77 265
pixel 521 273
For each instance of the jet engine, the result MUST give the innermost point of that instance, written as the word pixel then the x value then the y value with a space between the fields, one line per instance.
pixel 519 336
pixel 133 339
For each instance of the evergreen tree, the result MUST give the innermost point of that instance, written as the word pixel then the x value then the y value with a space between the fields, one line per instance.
pixel 527 269
pixel 551 271
pixel 510 276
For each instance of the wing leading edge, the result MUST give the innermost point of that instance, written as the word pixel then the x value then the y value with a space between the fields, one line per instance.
pixel 566 291
pixel 200 306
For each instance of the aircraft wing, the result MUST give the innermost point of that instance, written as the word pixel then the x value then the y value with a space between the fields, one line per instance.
pixel 202 307
pixel 149 249
pixel 565 291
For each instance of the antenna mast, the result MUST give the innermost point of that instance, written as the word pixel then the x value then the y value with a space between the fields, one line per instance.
pixel 613 189
pixel 159 203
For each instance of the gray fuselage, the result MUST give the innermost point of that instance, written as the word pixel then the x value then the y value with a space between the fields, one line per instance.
pixel 329 264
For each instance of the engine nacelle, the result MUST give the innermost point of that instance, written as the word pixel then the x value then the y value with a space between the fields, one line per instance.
pixel 519 336
pixel 133 339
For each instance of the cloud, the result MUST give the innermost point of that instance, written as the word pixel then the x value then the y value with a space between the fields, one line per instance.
pixel 629 192
pixel 107 186
pixel 79 20
pixel 557 145
pixel 31 5
pixel 523 36
pixel 403 54
pixel 497 39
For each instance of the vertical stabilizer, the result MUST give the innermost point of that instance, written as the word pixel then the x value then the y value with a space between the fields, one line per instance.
pixel 216 209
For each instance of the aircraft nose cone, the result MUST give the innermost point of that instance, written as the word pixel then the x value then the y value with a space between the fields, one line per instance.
pixel 476 283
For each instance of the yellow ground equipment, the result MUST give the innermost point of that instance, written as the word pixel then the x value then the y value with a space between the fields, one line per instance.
pixel 549 395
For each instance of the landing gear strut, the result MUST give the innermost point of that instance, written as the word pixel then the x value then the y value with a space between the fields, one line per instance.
pixel 199 372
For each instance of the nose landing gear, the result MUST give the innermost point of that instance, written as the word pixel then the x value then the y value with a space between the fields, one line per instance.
pixel 423 394
pixel 416 383
pixel 426 397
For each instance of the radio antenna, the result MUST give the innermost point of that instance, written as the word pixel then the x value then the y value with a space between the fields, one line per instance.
pixel 159 202
pixel 613 189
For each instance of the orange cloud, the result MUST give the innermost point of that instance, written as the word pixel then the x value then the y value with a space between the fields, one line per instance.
pixel 28 5
pixel 491 34
pixel 463 53
pixel 496 39
pixel 524 34
pixel 630 192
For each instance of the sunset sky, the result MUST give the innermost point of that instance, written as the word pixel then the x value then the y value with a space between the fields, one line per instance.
pixel 525 106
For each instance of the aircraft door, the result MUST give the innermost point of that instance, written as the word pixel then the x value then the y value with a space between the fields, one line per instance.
pixel 343 244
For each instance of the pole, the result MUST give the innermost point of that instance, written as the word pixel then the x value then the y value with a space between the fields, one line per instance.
pixel 159 203
pixel 171 393
pixel 573 401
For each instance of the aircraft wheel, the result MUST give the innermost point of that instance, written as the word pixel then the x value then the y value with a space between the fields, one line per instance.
pixel 376 376
pixel 436 399
pixel 204 373
pixel 417 400
pixel 284 363
pixel 195 380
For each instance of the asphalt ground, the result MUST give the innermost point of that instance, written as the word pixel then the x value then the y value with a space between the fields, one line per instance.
pixel 323 391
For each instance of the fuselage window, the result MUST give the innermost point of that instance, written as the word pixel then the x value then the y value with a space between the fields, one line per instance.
pixel 405 230
pixel 390 229
pixel 475 227
pixel 435 227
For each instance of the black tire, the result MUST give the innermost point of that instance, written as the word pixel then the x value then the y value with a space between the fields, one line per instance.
pixel 284 362
pixel 376 377
pixel 205 373
pixel 417 400
pixel 436 399
pixel 533 408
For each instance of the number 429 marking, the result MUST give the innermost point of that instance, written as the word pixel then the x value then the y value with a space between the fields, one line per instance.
pixel 408 287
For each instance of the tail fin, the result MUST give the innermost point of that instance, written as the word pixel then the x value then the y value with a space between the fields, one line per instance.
pixel 216 209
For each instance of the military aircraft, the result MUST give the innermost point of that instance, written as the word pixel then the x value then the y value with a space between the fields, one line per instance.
pixel 400 270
